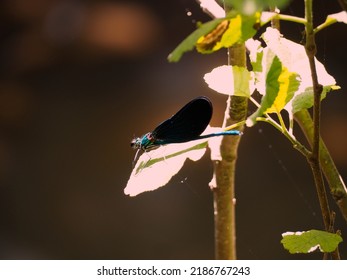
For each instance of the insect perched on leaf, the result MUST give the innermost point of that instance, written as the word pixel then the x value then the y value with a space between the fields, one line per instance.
pixel 186 125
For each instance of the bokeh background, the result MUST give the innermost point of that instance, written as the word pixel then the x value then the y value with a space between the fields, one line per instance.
pixel 78 79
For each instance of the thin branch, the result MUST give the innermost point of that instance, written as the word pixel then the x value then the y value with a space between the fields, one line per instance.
pixel 296 144
pixel 291 18
pixel 282 128
pixel 323 25
pixel 313 160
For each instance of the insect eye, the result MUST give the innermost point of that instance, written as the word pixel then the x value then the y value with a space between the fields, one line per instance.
pixel 133 143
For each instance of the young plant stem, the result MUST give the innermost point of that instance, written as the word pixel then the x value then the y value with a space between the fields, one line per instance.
pixel 314 158
pixel 336 184
pixel 275 22
pixel 224 170
pixel 290 18
pixel 223 182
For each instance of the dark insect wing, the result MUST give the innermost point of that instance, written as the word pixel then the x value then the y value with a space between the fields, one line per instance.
pixel 186 124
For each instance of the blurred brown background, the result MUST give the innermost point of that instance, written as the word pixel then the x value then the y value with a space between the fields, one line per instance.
pixel 78 79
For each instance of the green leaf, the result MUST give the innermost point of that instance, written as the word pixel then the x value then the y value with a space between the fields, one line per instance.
pixel 280 86
pixel 251 6
pixel 249 26
pixel 188 44
pixel 229 32
pixel 221 36
pixel 255 54
pixel 217 34
pixel 305 99
pixel 242 78
pixel 288 85
pixel 309 241
pixel 274 3
pixel 293 57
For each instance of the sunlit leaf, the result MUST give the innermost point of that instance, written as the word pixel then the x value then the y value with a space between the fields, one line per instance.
pixel 155 168
pixel 212 8
pixel 255 54
pixel 338 17
pixel 293 57
pixel 243 82
pixel 230 80
pixel 266 17
pixel 278 86
pixel 288 85
pixel 309 241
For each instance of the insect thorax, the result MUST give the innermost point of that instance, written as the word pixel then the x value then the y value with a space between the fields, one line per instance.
pixel 145 143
